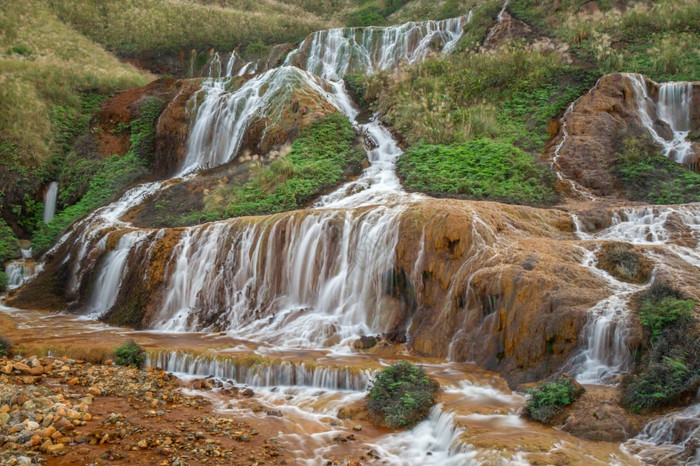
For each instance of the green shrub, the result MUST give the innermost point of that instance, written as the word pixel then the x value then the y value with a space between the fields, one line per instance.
pixel 9 246
pixel 369 16
pixel 130 354
pixel 5 347
pixel 478 169
pixel 3 280
pixel 548 399
pixel 669 311
pixel 402 395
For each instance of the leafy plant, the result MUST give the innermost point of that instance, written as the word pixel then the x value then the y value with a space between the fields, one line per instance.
pixel 548 399
pixel 655 316
pixel 130 354
pixel 402 395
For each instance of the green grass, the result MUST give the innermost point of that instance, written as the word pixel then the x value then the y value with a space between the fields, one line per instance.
pixel 669 370
pixel 648 176
pixel 110 178
pixel 401 395
pixel 548 399
pixel 323 155
pixel 477 169
pixel 660 39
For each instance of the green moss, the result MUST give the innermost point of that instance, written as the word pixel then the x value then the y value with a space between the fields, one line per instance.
pixel 548 399
pixel 401 395
pixel 648 176
pixel 478 169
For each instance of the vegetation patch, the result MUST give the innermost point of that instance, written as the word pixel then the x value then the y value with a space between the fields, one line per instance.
pixel 5 347
pixel 401 395
pixel 324 154
pixel 647 176
pixel 669 370
pixel 112 176
pixel 477 169
pixel 549 399
pixel 130 354
pixel 623 262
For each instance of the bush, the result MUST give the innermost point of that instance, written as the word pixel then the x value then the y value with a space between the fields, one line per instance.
pixel 402 395
pixel 5 347
pixel 478 169
pixel 669 311
pixel 548 399
pixel 130 354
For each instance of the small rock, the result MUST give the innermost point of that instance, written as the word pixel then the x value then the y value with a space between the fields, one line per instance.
pixel 357 428
pixel 248 392
pixel 18 366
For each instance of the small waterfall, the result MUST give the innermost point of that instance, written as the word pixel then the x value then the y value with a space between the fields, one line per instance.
pixel 108 281
pixel 669 439
pixel 50 201
pixel 333 53
pixel 499 20
pixel 605 334
pixel 215 66
pixel 435 441
pixel 19 271
pixel 673 109
pixel 259 372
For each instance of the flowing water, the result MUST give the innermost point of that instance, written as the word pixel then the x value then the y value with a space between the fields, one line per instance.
pixel 50 202
pixel 302 286
pixel 672 109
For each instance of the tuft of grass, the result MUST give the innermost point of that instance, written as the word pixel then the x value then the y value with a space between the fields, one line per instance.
pixel 548 399
pixel 478 169
pixel 401 395
pixel 624 263
pixel 5 347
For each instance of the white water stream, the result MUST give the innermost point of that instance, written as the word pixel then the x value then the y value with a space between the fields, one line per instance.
pixel 50 202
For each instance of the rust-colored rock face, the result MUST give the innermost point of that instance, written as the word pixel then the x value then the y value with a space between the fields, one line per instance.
pixel 498 285
pixel 596 126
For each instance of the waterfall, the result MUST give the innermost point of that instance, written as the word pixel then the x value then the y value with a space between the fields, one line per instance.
pixel 296 279
pixel 606 353
pixel 224 115
pixel 333 53
pixel 50 201
pixel 672 108
pixel 673 438
pixel 258 372
pixel 106 286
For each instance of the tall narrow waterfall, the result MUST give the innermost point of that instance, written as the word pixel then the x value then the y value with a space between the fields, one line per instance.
pixel 50 201
pixel 672 108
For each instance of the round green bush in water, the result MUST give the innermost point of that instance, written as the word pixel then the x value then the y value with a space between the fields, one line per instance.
pixel 402 395
pixel 130 354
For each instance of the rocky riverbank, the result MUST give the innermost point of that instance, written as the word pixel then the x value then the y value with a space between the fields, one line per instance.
pixel 64 411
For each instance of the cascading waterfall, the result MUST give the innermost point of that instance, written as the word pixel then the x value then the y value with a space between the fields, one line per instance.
pixel 224 115
pixel 333 53
pixel 295 279
pixel 50 202
pixel 673 109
